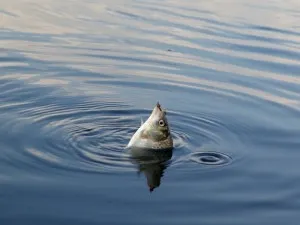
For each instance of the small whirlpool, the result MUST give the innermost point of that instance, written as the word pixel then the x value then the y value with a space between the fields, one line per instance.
pixel 210 158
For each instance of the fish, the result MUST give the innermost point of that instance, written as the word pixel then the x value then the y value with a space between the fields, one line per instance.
pixel 154 133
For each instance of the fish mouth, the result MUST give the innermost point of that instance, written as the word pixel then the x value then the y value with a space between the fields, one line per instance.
pixel 158 106
pixel 158 110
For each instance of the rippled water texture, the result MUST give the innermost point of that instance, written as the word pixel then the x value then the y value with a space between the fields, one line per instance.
pixel 77 77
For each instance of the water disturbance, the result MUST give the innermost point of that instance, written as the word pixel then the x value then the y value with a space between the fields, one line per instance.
pixel 77 77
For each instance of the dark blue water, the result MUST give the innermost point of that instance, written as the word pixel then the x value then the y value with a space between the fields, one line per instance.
pixel 76 77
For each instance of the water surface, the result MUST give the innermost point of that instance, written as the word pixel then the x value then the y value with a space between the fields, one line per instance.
pixel 78 76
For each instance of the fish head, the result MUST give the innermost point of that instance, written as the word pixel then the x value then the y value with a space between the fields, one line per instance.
pixel 157 127
pixel 154 133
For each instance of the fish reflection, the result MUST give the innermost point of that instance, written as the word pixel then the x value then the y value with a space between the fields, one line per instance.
pixel 152 163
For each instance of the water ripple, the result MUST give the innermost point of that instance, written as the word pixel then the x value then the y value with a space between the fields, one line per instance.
pixel 79 79
pixel 91 136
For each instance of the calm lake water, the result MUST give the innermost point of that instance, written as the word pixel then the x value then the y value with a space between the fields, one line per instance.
pixel 76 77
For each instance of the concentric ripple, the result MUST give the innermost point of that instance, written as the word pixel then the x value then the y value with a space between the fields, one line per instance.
pixel 210 158
pixel 204 139
pixel 90 140
pixel 91 137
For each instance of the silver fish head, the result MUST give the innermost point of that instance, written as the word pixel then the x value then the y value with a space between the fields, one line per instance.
pixel 154 133
pixel 158 127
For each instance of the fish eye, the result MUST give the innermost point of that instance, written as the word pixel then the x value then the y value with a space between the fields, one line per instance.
pixel 161 123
